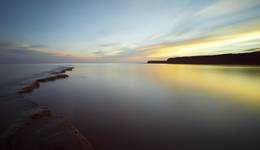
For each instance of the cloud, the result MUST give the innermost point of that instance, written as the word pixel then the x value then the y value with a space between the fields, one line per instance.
pixel 11 52
pixel 222 26
pixel 206 45
pixel 223 39
pixel 227 7
pixel 196 35
pixel 106 44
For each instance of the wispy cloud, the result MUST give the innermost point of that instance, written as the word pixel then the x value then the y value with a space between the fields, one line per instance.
pixel 224 39
pixel 202 34
pixel 26 53
pixel 129 31
pixel 228 7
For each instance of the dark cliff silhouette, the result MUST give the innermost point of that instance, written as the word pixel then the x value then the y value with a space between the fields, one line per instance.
pixel 252 58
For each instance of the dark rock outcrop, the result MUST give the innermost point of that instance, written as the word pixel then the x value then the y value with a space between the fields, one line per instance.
pixel 60 74
pixel 27 126
pixel 39 129
pixel 63 70
pixel 252 58
pixel 36 84
pixel 156 62
pixel 53 78
pixel 29 88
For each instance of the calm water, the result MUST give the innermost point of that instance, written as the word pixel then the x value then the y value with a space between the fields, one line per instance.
pixel 140 106
pixel 12 76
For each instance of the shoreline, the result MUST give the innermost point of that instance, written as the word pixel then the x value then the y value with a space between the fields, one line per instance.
pixel 251 58
pixel 30 126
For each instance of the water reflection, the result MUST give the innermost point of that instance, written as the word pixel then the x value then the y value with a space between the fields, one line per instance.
pixel 139 106
pixel 241 84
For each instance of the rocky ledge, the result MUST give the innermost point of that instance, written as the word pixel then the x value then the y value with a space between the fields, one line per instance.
pixel 52 77
pixel 38 129
pixel 63 70
pixel 31 127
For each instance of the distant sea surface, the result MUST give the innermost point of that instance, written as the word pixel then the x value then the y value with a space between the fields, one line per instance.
pixel 13 75
pixel 154 106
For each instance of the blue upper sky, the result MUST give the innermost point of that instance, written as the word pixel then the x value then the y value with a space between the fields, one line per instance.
pixel 125 30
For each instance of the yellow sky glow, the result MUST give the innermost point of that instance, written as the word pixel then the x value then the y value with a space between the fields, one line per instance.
pixel 185 49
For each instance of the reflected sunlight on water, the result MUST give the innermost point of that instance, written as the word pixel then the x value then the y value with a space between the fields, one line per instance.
pixel 241 84
pixel 159 106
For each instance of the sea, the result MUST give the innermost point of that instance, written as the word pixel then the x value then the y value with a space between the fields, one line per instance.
pixel 150 106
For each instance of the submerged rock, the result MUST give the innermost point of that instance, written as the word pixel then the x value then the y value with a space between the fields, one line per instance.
pixel 64 70
pixel 53 78
pixel 36 84
pixel 40 113
pixel 29 88
pixel 39 130
pixel 30 127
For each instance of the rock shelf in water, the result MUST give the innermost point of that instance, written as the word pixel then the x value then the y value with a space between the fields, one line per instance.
pixel 39 129
pixel 63 70
pixel 54 76
pixel 33 127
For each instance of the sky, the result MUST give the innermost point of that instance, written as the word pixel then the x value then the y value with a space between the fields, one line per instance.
pixel 53 31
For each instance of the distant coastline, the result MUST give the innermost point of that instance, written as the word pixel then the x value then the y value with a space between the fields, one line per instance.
pixel 252 58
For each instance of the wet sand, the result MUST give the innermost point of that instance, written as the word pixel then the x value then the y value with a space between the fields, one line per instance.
pixel 26 125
